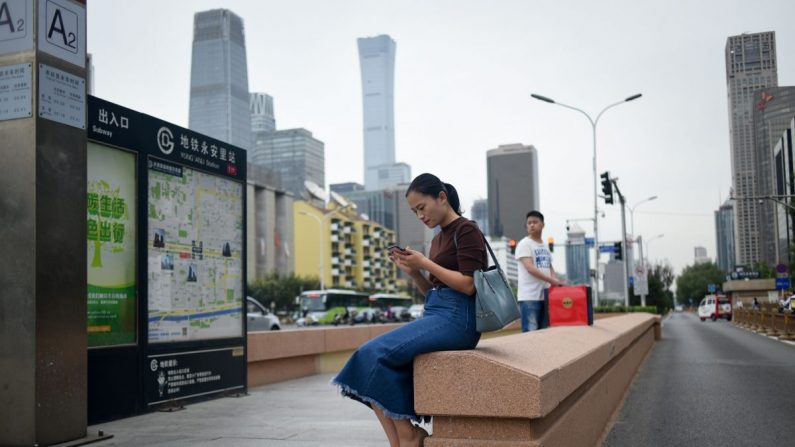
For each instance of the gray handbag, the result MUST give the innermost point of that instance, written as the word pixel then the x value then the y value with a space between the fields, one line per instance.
pixel 495 303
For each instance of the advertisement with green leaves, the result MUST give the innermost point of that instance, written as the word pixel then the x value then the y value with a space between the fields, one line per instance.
pixel 111 243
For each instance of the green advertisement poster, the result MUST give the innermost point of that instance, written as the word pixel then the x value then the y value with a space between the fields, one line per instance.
pixel 111 224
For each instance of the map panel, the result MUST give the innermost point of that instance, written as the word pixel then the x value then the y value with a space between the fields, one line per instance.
pixel 195 240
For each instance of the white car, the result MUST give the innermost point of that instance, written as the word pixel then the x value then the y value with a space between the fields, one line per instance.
pixel 714 307
pixel 259 318
pixel 417 311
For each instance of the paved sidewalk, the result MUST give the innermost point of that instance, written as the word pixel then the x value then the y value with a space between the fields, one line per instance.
pixel 302 412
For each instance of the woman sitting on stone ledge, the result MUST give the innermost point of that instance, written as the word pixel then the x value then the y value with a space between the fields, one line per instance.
pixel 380 373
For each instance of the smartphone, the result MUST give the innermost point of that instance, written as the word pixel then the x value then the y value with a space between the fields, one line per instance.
pixel 396 248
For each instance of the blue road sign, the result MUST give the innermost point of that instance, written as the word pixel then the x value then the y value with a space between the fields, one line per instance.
pixel 589 242
pixel 607 248
pixel 711 288
pixel 782 283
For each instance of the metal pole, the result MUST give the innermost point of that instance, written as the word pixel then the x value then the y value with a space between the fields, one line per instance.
pixel 593 122
pixel 642 266
pixel 595 219
pixel 624 245
pixel 321 223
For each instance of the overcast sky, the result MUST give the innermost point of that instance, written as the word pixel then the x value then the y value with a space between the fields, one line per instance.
pixel 464 73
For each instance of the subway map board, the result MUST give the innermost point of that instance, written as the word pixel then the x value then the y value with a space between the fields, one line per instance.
pixel 195 262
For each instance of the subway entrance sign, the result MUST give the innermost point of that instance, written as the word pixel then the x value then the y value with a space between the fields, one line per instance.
pixel 166 263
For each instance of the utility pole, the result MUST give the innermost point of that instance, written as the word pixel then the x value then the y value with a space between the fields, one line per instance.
pixel 623 201
pixel 645 273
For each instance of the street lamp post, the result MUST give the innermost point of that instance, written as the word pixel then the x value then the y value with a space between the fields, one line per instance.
pixel 643 262
pixel 593 122
pixel 649 242
pixel 635 237
pixel 320 221
pixel 632 213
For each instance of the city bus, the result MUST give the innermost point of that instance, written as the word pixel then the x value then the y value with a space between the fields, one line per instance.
pixel 314 305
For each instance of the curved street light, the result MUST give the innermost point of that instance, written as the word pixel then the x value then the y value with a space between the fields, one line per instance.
pixel 593 122
pixel 632 213
pixel 320 222
pixel 649 241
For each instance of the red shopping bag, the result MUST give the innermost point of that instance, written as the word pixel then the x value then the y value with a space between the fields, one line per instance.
pixel 569 306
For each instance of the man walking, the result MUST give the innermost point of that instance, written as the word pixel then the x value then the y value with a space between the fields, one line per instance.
pixel 535 273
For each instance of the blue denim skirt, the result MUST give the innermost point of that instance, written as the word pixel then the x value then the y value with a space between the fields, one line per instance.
pixel 381 371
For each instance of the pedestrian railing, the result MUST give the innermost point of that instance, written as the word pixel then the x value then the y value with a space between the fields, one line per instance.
pixel 767 320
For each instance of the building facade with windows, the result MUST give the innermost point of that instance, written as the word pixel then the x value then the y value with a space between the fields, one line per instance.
pixel 354 250
pixel 377 63
pixel 219 98
pixel 294 154
pixel 751 66
pixel 512 172
pixel 724 236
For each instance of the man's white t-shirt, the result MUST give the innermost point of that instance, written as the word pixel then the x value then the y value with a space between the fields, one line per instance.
pixel 530 287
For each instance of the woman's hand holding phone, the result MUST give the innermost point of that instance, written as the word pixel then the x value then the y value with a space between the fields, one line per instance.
pixel 410 261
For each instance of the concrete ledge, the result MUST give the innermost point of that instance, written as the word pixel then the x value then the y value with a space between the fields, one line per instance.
pixel 554 387
pixel 276 356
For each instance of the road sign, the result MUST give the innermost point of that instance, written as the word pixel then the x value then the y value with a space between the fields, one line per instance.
pixel 62 30
pixel 782 283
pixel 641 286
pixel 589 242
pixel 781 268
pixel 16 30
pixel 607 248
pixel 745 275
pixel 711 288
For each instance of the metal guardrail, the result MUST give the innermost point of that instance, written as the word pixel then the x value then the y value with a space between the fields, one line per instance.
pixel 768 321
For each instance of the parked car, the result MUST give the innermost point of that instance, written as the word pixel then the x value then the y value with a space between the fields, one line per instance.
pixel 416 311
pixel 368 315
pixel 259 317
pixel 395 314
pixel 714 307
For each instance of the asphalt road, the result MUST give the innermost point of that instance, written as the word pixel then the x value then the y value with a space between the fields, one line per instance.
pixel 710 384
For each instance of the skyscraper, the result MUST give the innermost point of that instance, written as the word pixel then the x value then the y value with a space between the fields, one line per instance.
pixel 512 172
pixel 293 153
pixel 377 61
pixel 724 235
pixel 750 66
pixel 480 214
pixel 785 186
pixel 772 112
pixel 219 100
pixel 262 116
pixel 700 255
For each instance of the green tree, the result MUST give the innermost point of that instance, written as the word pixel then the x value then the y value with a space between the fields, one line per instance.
pixel 765 271
pixel 281 289
pixel 692 284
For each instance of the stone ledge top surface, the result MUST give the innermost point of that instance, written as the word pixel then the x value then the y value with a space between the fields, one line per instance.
pixel 523 375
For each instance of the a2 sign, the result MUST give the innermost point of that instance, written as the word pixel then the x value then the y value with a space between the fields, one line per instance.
pixel 61 28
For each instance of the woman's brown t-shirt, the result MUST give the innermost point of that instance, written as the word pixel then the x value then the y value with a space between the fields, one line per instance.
pixel 471 252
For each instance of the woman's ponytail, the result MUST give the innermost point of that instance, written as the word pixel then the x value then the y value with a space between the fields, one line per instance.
pixel 452 198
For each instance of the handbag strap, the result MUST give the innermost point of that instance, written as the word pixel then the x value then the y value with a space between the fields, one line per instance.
pixel 493 257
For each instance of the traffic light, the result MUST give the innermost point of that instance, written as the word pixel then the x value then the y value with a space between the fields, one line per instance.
pixel 617 251
pixel 512 246
pixel 551 242
pixel 607 187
